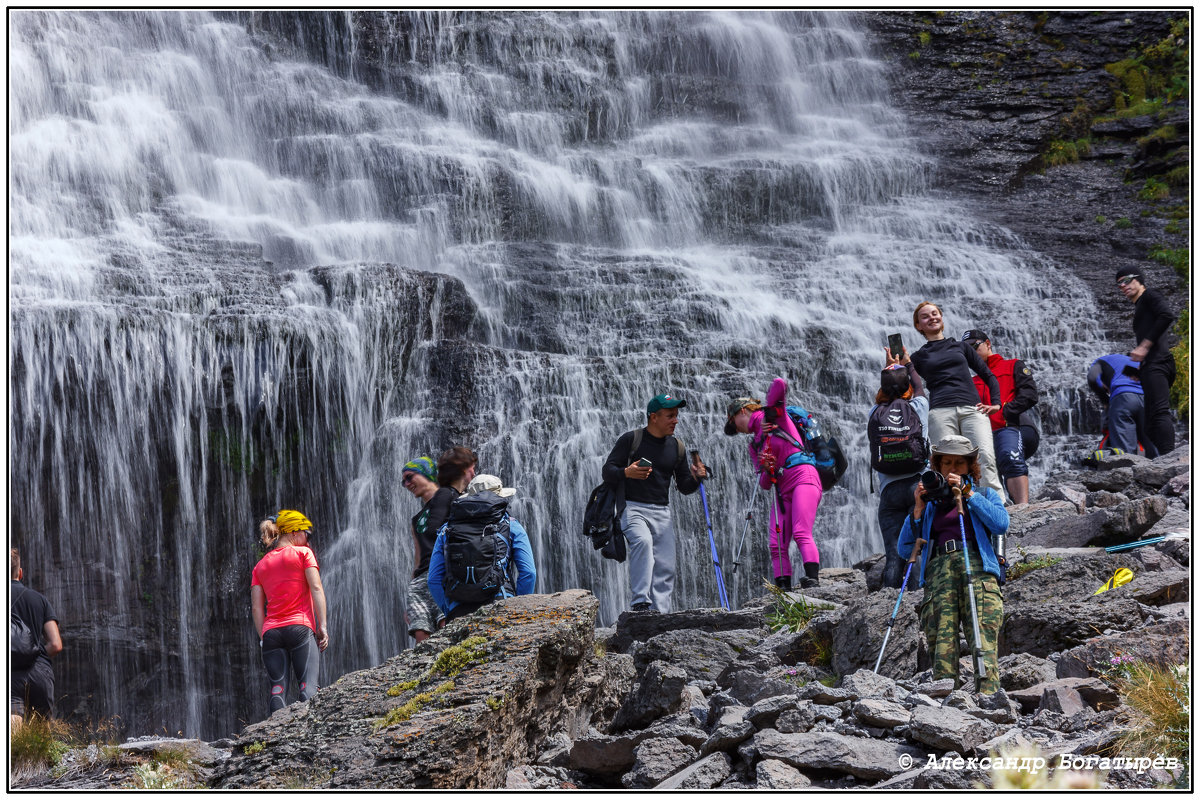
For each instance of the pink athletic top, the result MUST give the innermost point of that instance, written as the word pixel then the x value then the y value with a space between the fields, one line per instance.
pixel 281 575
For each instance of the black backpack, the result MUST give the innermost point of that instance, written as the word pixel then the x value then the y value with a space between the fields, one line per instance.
pixel 23 645
pixel 897 439
pixel 478 545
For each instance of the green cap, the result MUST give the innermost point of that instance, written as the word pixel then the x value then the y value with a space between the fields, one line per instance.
pixel 661 401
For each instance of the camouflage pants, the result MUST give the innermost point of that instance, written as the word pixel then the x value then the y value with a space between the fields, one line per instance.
pixel 947 605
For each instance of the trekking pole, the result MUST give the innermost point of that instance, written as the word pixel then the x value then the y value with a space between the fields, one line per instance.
pixel 916 554
pixel 978 652
pixel 737 557
pixel 712 541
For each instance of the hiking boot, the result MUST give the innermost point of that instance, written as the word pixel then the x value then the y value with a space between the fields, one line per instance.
pixel 812 576
pixel 809 583
pixel 640 608
pixel 784 582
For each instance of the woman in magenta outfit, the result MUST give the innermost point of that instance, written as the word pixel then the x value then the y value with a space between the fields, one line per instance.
pixel 776 447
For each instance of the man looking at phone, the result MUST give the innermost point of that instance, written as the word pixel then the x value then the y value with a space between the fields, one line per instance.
pixel 642 463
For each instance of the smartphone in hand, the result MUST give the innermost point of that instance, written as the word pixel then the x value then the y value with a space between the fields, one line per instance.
pixel 896 345
pixel 643 462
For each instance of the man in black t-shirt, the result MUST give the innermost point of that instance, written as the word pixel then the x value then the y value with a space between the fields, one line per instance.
pixel 645 475
pixel 32 690
pixel 1152 320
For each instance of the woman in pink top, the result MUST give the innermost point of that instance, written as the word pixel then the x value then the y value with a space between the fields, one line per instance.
pixel 288 604
pixel 773 447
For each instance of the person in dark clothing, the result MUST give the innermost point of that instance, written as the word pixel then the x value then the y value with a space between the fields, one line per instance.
pixel 1116 381
pixel 643 461
pixel 32 690
pixel 419 476
pixel 1014 435
pixel 954 406
pixel 1152 319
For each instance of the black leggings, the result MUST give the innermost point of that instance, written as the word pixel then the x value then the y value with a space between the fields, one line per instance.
pixel 295 645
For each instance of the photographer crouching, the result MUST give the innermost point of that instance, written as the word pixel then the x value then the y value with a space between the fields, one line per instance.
pixel 957 516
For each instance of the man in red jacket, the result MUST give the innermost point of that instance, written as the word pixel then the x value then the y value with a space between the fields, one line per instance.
pixel 1013 433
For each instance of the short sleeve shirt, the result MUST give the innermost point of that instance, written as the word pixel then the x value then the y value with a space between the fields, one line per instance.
pixel 34 610
pixel 281 575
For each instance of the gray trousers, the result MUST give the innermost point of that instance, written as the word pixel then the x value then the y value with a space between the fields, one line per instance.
pixel 966 421
pixel 650 539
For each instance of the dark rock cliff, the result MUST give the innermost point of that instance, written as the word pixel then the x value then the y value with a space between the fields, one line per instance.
pixel 996 95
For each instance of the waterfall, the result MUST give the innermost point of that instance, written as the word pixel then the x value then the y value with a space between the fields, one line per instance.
pixel 261 259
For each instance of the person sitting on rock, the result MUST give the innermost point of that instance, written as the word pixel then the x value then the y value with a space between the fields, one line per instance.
pixel 944 516
pixel 514 553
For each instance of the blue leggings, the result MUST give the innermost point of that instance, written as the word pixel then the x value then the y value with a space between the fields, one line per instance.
pixel 293 645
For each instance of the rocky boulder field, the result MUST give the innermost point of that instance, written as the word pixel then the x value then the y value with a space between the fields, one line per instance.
pixel 529 694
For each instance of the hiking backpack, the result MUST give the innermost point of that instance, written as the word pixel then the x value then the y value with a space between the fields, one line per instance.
pixel 822 451
pixel 23 645
pixel 896 439
pixel 478 545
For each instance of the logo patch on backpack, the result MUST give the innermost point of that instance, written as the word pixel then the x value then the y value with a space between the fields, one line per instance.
pixel 478 545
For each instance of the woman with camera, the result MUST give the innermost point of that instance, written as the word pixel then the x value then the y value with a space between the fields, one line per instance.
pixel 954 408
pixel 959 569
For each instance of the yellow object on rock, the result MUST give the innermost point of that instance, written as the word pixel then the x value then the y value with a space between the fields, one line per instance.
pixel 1119 578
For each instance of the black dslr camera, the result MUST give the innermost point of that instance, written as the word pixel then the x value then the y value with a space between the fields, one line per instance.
pixel 935 489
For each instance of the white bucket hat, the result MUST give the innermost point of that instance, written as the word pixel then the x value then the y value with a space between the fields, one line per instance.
pixel 954 445
pixel 489 483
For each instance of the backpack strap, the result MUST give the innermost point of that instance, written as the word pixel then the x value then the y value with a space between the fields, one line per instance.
pixel 635 444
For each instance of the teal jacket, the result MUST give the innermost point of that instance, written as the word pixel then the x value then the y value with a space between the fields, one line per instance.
pixel 988 515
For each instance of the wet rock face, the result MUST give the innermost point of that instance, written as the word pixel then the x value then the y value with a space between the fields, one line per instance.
pixel 988 91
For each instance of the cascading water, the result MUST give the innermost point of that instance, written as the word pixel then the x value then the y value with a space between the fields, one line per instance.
pixel 259 260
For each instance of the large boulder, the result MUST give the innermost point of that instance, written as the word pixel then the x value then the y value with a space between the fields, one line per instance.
pixel 655 760
pixel 1044 628
pixel 659 693
pixel 946 728
pixel 1165 644
pixel 701 654
pixel 870 759
pixel 860 631
pixel 488 691
pixel 639 627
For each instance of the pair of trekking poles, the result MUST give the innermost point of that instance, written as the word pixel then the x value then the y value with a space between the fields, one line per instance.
pixel 977 653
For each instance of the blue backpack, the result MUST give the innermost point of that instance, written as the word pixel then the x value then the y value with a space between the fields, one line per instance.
pixel 823 452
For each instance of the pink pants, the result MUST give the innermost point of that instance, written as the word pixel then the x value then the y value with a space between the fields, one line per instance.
pixel 798 494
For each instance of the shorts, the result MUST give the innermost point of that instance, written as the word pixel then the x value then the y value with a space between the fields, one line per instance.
pixel 423 614
pixel 1010 452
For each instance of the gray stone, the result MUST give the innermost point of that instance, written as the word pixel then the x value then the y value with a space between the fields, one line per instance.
pixel 774 774
pixel 529 777
pixel 865 683
pixel 706 773
pixel 750 686
pixel 825 695
pixel 643 627
pixel 1063 700
pixel 656 760
pixel 939 688
pixel 600 753
pixel 872 569
pixel 1158 588
pixel 658 693
pixel 692 699
pixel 1022 670
pixel 699 653
pixel 1165 644
pixel 1075 494
pixel 1025 524
pixel 858 635
pixel 905 780
pixel 677 727
pixel 764 713
pixel 948 729
pixel 870 759
pixel 1045 628
pixel 194 750
pixel 727 737
pixel 1011 739
pixel 1093 691
pixel 882 713
pixel 799 720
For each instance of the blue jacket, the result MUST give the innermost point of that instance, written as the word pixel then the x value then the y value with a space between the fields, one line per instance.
pixel 1107 375
pixel 522 556
pixel 988 516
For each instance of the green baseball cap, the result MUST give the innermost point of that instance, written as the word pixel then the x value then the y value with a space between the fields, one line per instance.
pixel 661 401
